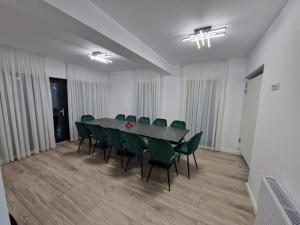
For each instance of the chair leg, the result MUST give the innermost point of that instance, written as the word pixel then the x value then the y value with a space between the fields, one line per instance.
pixel 127 164
pixel 188 166
pixel 149 172
pixel 142 168
pixel 108 154
pixel 104 152
pixel 121 150
pixel 104 144
pixel 175 167
pixel 179 158
pixel 81 140
pixel 90 143
pixel 94 148
pixel 195 160
pixel 168 173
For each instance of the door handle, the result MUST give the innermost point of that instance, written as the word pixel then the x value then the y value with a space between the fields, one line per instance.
pixel 62 111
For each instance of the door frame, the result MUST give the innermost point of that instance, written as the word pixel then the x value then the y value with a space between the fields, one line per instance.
pixel 249 117
pixel 66 108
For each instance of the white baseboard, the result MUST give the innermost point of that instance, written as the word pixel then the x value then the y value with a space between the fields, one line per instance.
pixel 231 151
pixel 205 147
pixel 253 202
pixel 227 150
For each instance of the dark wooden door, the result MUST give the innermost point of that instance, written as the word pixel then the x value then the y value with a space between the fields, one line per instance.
pixel 60 109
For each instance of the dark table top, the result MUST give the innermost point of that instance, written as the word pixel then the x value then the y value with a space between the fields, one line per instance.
pixel 165 133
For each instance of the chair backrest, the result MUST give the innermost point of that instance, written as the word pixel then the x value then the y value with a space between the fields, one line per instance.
pixel 131 118
pixel 85 118
pixel 114 137
pixel 135 143
pixel 120 117
pixel 144 120
pixel 109 136
pixel 160 150
pixel 194 142
pixel 178 124
pixel 98 132
pixel 83 130
pixel 160 122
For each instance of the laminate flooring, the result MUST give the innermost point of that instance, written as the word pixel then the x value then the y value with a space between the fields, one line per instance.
pixel 63 187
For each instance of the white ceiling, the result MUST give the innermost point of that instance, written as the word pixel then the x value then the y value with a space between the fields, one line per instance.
pixel 161 23
pixel 34 25
pixel 23 31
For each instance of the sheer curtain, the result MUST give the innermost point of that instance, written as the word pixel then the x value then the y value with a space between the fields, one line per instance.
pixel 146 93
pixel 26 120
pixel 87 94
pixel 202 100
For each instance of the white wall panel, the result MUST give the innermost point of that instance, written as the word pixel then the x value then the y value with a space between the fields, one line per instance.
pixel 276 147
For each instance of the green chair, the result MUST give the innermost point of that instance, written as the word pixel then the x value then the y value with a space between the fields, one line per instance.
pixel 131 118
pixel 120 117
pixel 114 139
pixel 83 132
pixel 160 122
pixel 144 120
pixel 189 148
pixel 86 118
pixel 162 154
pixel 99 135
pixel 178 124
pixel 137 146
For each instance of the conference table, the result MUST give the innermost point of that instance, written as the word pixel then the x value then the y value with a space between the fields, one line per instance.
pixel 148 130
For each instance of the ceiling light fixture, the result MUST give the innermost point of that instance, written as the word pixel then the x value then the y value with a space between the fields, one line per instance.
pixel 100 57
pixel 204 33
pixel 208 39
pixel 198 44
pixel 202 39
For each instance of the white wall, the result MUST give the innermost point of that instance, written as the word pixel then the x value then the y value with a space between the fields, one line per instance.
pixel 55 68
pixel 276 149
pixel 233 105
pixel 121 99
pixel 4 219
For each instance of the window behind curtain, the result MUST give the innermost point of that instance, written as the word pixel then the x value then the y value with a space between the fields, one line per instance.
pixel 146 93
pixel 146 99
pixel 202 105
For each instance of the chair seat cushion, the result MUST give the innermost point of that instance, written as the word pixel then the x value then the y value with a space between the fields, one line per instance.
pixel 183 149
pixel 145 151
pixel 174 157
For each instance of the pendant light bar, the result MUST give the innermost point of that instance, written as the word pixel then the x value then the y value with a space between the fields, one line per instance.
pixel 198 44
pixel 205 34
pixel 210 37
pixel 208 40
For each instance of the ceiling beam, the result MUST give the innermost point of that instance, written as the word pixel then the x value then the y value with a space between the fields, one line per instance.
pixel 95 25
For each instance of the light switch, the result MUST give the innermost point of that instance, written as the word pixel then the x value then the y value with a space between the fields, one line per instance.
pixel 275 87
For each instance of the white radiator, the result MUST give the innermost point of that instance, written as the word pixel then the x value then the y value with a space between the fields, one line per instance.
pixel 274 206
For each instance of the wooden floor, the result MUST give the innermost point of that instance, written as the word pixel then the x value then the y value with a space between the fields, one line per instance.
pixel 63 187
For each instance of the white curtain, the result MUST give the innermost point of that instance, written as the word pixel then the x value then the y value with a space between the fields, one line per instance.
pixel 146 93
pixel 26 120
pixel 87 94
pixel 202 100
